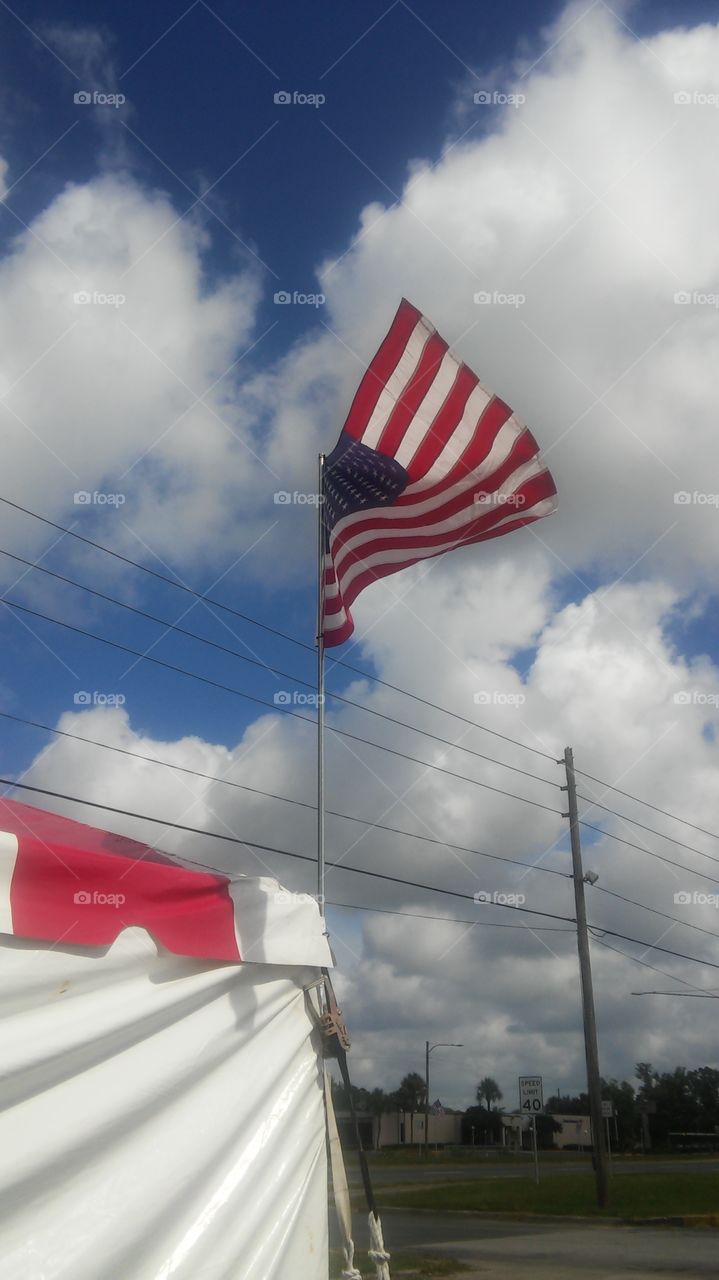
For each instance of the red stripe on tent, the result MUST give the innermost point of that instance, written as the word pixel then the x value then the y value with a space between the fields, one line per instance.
pixel 76 884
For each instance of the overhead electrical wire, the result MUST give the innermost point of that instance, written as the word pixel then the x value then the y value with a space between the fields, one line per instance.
pixel 271 670
pixel 638 800
pixel 646 965
pixel 419 915
pixel 347 817
pixel 365 822
pixel 250 697
pixel 272 795
pixel 342 866
pixel 284 635
pixel 286 853
pixel 366 675
pixel 632 902
pixel 652 852
pixel 623 817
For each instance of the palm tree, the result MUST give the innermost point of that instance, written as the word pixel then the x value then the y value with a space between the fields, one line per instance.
pixel 489 1089
pixel 410 1097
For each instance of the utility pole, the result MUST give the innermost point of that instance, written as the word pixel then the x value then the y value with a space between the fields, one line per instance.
pixel 585 968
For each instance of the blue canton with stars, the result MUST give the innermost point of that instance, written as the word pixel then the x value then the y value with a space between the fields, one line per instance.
pixel 356 478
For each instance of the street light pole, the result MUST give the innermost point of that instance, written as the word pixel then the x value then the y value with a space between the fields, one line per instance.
pixel 428 1048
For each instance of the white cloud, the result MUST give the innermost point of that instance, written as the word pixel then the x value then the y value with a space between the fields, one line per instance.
pixel 110 333
pixel 586 686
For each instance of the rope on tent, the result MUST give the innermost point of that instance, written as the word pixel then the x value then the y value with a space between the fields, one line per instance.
pixel 339 1186
pixel 350 1272
pixel 377 1252
pixel 336 1044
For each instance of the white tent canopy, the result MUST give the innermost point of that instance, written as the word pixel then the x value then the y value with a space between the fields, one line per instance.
pixel 162 1113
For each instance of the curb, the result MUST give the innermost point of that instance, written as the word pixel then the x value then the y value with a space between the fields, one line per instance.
pixel 682 1220
pixel 710 1220
pixel 519 1215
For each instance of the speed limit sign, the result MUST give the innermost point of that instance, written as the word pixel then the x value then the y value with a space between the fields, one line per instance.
pixel 531 1095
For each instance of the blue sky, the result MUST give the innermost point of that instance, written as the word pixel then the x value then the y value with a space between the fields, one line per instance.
pixel 601 619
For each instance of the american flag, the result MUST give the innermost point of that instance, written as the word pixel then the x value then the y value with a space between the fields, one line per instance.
pixel 428 460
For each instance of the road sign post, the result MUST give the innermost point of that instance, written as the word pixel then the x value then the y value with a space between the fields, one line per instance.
pixel 607 1114
pixel 531 1103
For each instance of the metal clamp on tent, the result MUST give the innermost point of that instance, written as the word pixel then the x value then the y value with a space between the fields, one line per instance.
pixel 332 1024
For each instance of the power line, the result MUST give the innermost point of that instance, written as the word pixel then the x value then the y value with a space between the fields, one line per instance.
pixel 285 853
pixel 646 965
pixel 652 830
pixel 271 670
pixel 342 866
pixel 652 853
pixel 347 817
pixel 366 675
pixel 417 915
pixel 654 911
pixel 272 795
pixel 240 693
pixel 650 946
pixel 638 800
pixel 198 595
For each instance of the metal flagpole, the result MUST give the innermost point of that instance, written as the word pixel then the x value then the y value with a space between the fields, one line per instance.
pixel 320 686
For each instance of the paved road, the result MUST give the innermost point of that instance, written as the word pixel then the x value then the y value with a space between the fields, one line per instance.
pixel 437 1173
pixel 557 1251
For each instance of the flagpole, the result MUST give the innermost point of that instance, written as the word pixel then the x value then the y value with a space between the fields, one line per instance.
pixel 320 686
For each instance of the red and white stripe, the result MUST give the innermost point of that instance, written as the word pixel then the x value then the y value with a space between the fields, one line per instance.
pixel 67 883
pixel 419 404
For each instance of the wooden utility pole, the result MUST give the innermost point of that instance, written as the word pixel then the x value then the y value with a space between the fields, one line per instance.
pixel 594 1085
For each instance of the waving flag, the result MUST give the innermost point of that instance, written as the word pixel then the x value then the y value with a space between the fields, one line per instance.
pixel 428 460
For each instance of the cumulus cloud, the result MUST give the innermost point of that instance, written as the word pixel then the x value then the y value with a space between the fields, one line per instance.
pixel 586 685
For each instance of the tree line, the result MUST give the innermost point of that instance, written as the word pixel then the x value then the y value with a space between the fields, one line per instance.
pixel 661 1108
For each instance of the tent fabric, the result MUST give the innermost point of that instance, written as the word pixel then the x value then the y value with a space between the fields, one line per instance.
pixel 162 1116
pixel 62 880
